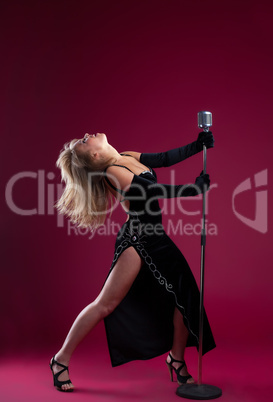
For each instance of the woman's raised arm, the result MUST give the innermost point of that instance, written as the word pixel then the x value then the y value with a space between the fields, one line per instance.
pixel 173 156
pixel 135 155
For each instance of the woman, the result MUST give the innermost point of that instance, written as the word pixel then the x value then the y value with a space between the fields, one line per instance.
pixel 150 300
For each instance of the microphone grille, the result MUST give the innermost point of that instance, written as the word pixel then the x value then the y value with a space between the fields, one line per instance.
pixel 204 119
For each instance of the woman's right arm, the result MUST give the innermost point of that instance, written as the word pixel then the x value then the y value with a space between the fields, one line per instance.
pixel 130 185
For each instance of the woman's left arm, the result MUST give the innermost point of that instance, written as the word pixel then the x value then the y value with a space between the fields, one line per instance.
pixel 169 158
pixel 135 155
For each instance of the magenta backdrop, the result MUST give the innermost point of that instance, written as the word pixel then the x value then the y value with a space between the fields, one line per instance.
pixel 138 71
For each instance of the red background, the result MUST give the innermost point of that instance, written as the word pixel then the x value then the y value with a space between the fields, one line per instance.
pixel 138 71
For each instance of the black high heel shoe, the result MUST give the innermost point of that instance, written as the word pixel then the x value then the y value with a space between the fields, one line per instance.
pixel 181 379
pixel 58 384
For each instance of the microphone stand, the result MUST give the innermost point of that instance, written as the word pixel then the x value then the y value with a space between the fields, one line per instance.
pixel 201 391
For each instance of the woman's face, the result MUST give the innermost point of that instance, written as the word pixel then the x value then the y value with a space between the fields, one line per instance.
pixel 91 143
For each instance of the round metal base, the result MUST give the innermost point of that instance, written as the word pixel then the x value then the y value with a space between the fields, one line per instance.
pixel 201 392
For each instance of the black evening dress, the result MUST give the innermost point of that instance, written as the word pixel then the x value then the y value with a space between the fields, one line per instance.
pixel 141 327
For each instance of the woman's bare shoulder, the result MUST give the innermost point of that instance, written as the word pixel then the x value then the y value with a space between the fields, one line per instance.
pixel 120 177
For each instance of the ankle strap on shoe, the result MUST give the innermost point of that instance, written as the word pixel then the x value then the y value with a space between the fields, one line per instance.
pixel 59 364
pixel 176 361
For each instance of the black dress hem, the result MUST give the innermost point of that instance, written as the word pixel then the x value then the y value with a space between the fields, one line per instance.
pixel 141 327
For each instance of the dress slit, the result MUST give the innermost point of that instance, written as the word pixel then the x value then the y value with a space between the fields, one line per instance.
pixel 141 327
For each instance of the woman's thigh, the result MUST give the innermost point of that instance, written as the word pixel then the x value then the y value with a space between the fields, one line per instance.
pixel 120 280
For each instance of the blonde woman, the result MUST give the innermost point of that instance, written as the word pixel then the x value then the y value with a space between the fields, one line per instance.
pixel 150 300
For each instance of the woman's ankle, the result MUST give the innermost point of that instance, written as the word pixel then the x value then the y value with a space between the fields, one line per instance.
pixel 62 357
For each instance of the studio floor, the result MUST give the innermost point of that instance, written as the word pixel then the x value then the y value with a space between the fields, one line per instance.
pixel 244 374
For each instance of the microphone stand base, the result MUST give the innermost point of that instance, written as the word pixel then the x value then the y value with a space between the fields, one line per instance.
pixel 200 392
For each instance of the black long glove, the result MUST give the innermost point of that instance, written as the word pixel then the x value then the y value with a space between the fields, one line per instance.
pixel 141 187
pixel 169 158
pixel 205 138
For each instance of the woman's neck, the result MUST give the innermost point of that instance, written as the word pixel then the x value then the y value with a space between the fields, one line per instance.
pixel 112 154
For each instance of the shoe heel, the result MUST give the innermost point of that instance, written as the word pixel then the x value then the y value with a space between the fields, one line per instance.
pixel 170 368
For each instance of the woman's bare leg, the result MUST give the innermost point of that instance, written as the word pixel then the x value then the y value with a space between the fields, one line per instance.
pixel 115 289
pixel 180 338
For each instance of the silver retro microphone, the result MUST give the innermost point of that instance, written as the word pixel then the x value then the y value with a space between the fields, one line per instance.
pixel 204 120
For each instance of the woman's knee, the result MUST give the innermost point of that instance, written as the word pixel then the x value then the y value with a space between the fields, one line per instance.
pixel 119 282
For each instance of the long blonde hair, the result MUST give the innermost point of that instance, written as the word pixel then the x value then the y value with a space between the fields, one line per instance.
pixel 86 198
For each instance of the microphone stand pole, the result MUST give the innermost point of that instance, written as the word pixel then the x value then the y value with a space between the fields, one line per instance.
pixel 201 391
pixel 203 245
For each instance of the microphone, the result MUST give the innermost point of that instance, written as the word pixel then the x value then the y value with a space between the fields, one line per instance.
pixel 204 120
